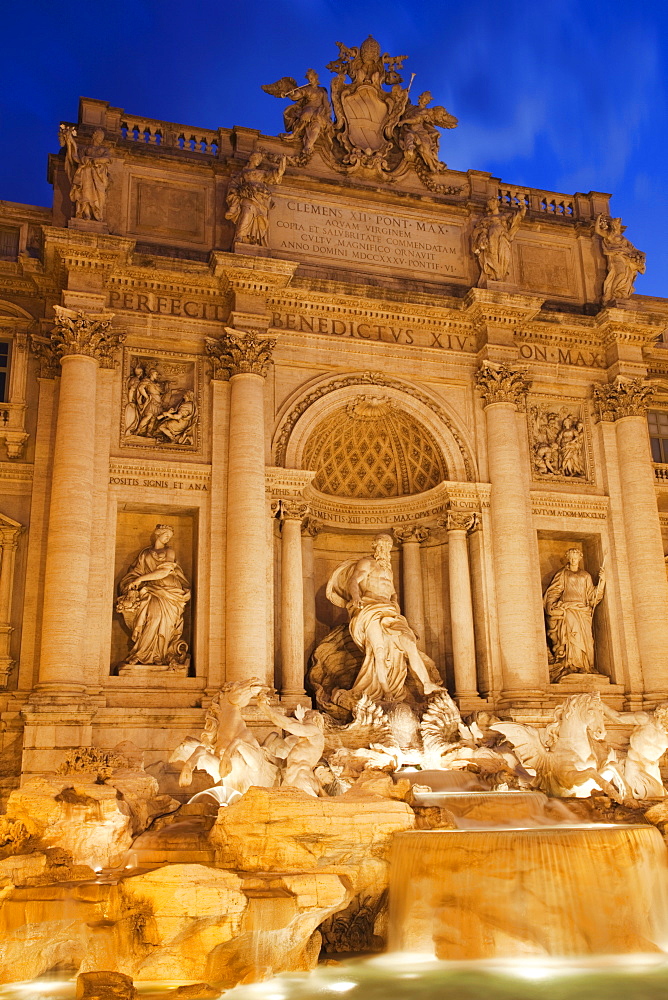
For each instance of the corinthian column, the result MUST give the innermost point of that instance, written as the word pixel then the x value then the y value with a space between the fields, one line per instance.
pixel 411 537
pixel 310 529
pixel 79 341
pixel 292 514
pixel 458 525
pixel 625 402
pixel 246 357
pixel 523 661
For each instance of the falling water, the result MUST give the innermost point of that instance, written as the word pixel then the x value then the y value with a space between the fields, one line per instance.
pixel 560 891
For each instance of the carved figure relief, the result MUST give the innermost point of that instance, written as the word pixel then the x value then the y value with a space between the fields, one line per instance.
pixel 569 602
pixel 558 441
pixel 376 129
pixel 160 404
pixel 87 168
pixel 249 199
pixel 492 239
pixel 152 598
pixel 624 261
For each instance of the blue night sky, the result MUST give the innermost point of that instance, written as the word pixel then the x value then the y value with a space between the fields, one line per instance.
pixel 566 95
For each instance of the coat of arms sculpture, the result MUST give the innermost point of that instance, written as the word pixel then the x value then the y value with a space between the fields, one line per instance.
pixel 376 129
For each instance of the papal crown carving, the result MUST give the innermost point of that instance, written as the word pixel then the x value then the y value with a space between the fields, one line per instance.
pixel 368 123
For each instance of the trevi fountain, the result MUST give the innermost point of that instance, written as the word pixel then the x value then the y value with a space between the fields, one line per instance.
pixel 333 595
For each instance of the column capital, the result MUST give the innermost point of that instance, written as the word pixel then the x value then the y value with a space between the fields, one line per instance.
pixel 239 352
pixel 47 359
pixel 625 397
pixel 459 520
pixel 499 383
pixel 411 533
pixel 312 526
pixel 83 333
pixel 290 509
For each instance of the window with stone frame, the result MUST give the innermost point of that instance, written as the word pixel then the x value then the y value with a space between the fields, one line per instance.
pixel 9 242
pixel 4 369
pixel 657 421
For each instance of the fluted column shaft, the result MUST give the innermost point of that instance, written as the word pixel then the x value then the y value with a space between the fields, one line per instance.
pixel 292 600
pixel 625 402
pixel 79 341
pixel 461 606
pixel 245 358
pixel 645 547
pixel 309 531
pixel 246 564
pixel 411 538
pixel 70 516
pixel 523 663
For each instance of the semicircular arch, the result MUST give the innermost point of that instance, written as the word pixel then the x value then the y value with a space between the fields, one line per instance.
pixel 322 398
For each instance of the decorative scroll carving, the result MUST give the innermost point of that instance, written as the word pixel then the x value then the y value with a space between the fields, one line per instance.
pixel 89 334
pixel 558 442
pixel 499 383
pixel 87 168
pixel 624 261
pixel 290 509
pixel 366 378
pixel 240 353
pixel 312 526
pixel 459 520
pixel 249 200
pixel 48 362
pixel 621 398
pixel 411 533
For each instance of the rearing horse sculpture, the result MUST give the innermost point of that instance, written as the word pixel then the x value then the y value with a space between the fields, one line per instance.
pixel 564 756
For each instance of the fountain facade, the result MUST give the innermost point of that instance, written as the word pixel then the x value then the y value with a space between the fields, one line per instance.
pixel 330 518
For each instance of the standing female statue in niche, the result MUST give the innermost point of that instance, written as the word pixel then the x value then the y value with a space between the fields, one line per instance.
pixel 153 596
pixel 569 603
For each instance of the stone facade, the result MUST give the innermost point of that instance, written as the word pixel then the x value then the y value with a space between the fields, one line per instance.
pixel 278 347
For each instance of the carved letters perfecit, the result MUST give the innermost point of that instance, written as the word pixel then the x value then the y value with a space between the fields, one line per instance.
pixel 498 383
pixel 621 398
pixel 239 353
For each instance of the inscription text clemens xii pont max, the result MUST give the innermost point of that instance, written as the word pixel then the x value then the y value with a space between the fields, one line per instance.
pixel 366 238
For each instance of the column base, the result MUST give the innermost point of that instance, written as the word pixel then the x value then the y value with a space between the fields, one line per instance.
pixel 470 701
pixel 290 699
pixel 53 727
pixel 524 701
pixel 651 699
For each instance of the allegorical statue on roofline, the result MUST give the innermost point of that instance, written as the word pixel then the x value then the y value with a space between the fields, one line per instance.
pixel 624 261
pixel 376 128
pixel 87 168
pixel 249 199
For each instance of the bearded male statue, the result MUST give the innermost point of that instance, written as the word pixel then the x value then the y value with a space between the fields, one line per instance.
pixel 365 587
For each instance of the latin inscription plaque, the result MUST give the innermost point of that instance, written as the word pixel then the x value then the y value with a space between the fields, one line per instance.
pixel 371 238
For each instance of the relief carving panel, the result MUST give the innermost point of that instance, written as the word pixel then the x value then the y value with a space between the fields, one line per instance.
pixel 160 403
pixel 559 441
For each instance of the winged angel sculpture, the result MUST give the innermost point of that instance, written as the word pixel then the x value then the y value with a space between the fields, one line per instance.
pixel 376 128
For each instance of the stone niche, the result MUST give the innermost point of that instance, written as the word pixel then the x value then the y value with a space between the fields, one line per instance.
pixel 552 547
pixel 135 526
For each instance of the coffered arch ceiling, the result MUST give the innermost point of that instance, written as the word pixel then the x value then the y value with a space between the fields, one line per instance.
pixel 370 436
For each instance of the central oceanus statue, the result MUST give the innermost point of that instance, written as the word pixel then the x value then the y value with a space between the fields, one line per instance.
pixel 365 587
